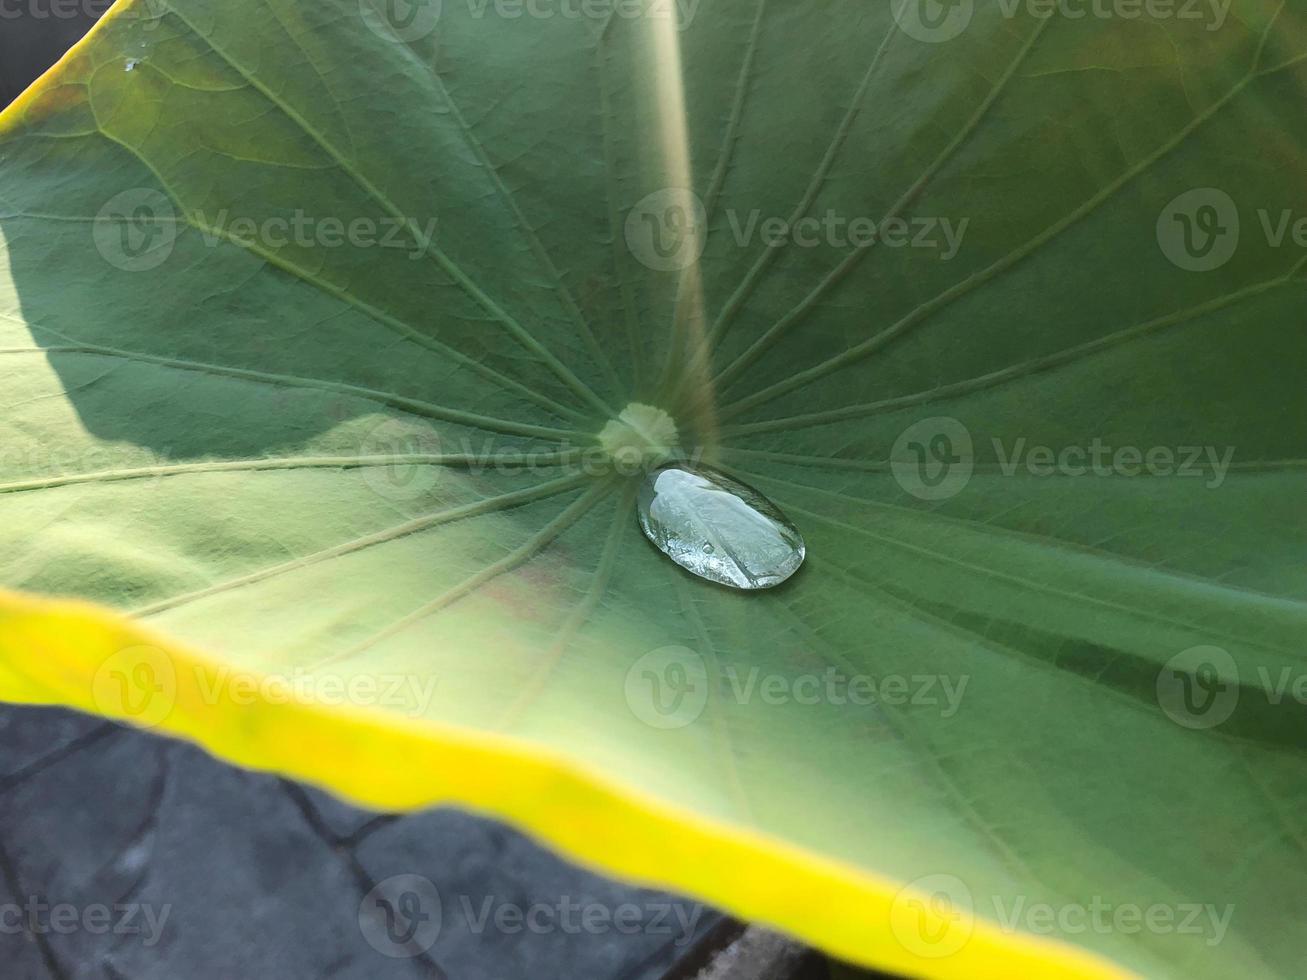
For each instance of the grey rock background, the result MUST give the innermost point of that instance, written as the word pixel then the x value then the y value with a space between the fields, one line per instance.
pixel 153 861
pixel 35 33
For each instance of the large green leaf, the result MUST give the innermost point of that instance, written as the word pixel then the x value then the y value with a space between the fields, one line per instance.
pixel 256 437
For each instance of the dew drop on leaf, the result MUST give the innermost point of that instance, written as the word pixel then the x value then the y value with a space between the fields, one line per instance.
pixel 718 528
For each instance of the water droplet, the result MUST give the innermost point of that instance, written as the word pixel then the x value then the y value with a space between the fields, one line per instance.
pixel 718 528
pixel 131 64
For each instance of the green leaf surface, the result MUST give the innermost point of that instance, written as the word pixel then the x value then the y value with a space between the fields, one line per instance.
pixel 369 450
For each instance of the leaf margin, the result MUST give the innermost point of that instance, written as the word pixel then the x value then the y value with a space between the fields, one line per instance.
pixel 51 651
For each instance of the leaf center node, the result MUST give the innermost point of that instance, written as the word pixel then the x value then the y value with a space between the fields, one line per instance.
pixel 641 437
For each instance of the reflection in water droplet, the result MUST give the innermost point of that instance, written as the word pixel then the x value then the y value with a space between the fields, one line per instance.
pixel 131 64
pixel 718 528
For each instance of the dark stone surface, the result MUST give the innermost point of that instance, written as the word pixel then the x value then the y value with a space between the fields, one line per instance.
pixel 23 744
pixel 152 861
pixel 34 34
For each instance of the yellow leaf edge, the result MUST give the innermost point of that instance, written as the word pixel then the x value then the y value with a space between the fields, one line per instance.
pixel 76 654
pixel 56 652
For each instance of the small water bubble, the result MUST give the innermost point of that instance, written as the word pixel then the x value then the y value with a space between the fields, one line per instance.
pixel 718 528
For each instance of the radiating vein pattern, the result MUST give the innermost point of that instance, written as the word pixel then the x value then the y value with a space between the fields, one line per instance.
pixel 312 316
